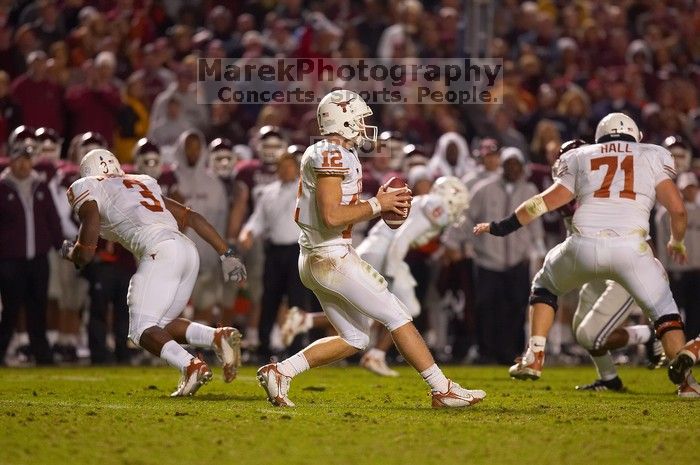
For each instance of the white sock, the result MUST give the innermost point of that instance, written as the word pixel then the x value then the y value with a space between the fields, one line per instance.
pixel 376 353
pixel 175 355
pixel 52 336
pixel 434 376
pixel 199 335
pixel 605 366
pixel 638 334
pixel 294 365
pixel 537 343
pixel 23 338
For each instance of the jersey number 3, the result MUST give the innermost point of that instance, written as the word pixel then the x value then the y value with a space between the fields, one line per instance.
pixel 146 194
pixel 611 163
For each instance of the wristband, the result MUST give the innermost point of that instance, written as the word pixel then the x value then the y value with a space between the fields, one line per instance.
pixel 505 227
pixel 376 206
pixel 231 252
pixel 678 246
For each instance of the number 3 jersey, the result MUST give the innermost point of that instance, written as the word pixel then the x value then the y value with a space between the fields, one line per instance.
pixel 324 158
pixel 615 185
pixel 132 210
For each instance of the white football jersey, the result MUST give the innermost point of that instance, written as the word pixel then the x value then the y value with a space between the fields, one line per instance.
pixel 615 185
pixel 326 158
pixel 427 219
pixel 132 210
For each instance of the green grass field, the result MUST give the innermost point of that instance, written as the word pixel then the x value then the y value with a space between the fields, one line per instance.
pixel 344 416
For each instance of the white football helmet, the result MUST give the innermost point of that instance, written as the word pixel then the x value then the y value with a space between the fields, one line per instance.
pixel 271 145
pixel 616 126
pixel 343 112
pixel 454 193
pixel 100 162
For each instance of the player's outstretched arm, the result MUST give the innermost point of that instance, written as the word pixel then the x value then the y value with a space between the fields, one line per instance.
pixel 233 268
pixel 329 195
pixel 556 196
pixel 82 251
pixel 669 196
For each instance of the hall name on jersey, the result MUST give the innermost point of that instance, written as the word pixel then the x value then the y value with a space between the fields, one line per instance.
pixel 617 147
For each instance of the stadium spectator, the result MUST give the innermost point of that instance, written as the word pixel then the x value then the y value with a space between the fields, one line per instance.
pixel 203 192
pixel 40 100
pixel 684 278
pixel 502 270
pixel 271 222
pixel 93 105
pixel 10 112
pixel 132 119
pixel 165 132
pixel 184 89
pixel 30 227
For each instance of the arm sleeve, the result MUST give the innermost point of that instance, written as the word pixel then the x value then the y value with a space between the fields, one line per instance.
pixel 565 171
pixel 256 223
pixel 415 226
pixel 81 191
pixel 330 160
pixel 666 166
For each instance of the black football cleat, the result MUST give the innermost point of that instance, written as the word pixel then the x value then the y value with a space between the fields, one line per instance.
pixel 614 384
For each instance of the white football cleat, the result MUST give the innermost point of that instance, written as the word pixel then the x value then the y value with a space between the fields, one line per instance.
pixel 689 388
pixel 196 375
pixel 456 396
pixel 529 366
pixel 377 365
pixel 295 322
pixel 227 345
pixel 275 384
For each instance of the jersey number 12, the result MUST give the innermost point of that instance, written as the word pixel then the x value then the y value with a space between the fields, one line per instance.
pixel 611 163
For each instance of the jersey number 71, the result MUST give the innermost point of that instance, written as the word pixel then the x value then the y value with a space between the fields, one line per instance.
pixel 611 163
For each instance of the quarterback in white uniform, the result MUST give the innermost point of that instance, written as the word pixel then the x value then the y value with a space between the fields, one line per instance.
pixel 351 292
pixel 616 182
pixel 385 249
pixel 130 210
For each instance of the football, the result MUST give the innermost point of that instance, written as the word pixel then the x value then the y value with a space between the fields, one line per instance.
pixel 394 220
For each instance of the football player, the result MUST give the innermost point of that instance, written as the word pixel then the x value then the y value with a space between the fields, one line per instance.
pixel 270 143
pixel 385 249
pixel 131 210
pixel 148 160
pixel 351 292
pixel 616 182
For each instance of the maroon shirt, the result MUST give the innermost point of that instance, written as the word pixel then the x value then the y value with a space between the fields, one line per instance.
pixel 93 110
pixel 13 220
pixel 255 175
pixel 41 103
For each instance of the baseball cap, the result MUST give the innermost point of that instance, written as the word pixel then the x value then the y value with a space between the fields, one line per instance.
pixel 512 152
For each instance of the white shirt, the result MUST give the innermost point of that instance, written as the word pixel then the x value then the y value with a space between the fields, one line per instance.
pixel 273 216
pixel 615 185
pixel 427 219
pixel 132 210
pixel 326 158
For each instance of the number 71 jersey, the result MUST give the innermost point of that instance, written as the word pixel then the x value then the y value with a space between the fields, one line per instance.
pixel 326 159
pixel 615 185
pixel 132 210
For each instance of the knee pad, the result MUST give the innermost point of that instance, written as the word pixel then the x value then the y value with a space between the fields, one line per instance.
pixel 666 323
pixel 360 341
pixel 540 295
pixel 585 338
pixel 138 324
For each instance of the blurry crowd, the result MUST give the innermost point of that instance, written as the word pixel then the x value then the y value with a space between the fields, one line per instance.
pixel 121 74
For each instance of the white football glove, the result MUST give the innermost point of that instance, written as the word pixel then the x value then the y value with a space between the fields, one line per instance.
pixel 66 247
pixel 234 269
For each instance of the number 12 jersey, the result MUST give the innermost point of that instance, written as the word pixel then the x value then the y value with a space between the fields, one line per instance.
pixel 132 210
pixel 615 185
pixel 325 158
